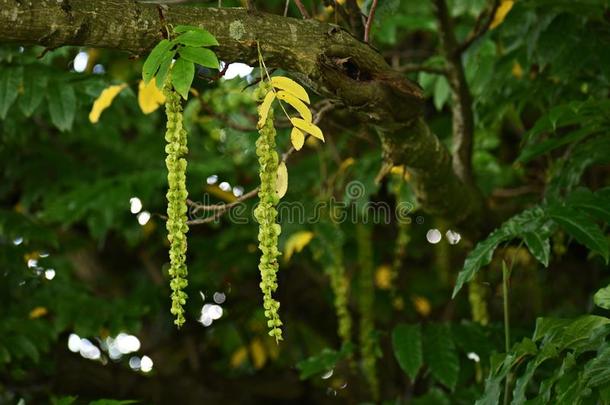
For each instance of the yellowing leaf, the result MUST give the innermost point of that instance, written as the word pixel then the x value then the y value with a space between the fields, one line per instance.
pixel 282 180
pixel 217 192
pixel 297 137
pixel 239 357
pixel 383 277
pixel 263 109
pixel 297 104
pixel 290 86
pixel 296 242
pixel 149 96
pixel 104 100
pixel 258 353
pixel 501 13
pixel 38 312
pixel 308 127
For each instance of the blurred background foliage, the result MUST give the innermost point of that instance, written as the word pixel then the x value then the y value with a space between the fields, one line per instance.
pixel 84 294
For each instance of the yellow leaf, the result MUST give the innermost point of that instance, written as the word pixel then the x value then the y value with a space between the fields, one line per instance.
pixel 296 242
pixel 258 353
pixel 296 104
pixel 282 180
pixel 346 163
pixel 422 305
pixel 239 357
pixel 263 109
pixel 38 312
pixel 289 85
pixel 297 137
pixel 308 127
pixel 149 96
pixel 501 13
pixel 104 100
pixel 383 277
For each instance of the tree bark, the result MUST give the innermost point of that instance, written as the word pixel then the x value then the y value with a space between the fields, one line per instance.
pixel 324 57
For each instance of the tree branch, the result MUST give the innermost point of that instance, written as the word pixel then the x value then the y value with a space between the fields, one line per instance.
pixel 369 21
pixel 325 57
pixel 463 117
pixel 479 29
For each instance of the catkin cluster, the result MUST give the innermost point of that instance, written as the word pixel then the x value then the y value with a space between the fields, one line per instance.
pixel 340 285
pixel 176 148
pixel 366 306
pixel 265 214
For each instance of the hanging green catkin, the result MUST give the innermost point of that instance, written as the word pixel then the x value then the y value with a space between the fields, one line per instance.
pixel 176 148
pixel 478 302
pixel 366 306
pixel 340 286
pixel 265 214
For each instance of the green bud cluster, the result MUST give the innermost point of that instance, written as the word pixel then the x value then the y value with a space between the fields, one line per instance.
pixel 265 214
pixel 366 307
pixel 176 148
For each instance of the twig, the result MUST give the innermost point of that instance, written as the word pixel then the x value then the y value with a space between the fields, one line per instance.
pixel 286 8
pixel 302 9
pixel 479 30
pixel 369 21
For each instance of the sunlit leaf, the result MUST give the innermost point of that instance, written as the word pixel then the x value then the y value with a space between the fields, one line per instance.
pixel 295 103
pixel 308 127
pixel 149 96
pixel 501 13
pixel 297 137
pixel 263 108
pixel 282 180
pixel 105 100
pixel 296 242
pixel 290 86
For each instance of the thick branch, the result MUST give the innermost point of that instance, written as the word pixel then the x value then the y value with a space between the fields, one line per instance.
pixel 323 56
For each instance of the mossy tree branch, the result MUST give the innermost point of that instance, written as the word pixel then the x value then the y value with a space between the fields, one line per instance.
pixel 323 56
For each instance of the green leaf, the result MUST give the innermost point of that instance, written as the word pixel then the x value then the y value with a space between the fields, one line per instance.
pixel 440 354
pixel 62 104
pixel 597 370
pixel 602 297
pixel 196 37
pixel 530 220
pixel 200 56
pixel 34 87
pixel 441 92
pixel 182 76
pixel 326 360
pixel 539 245
pixel 581 227
pixel 480 256
pixel 10 78
pixel 155 58
pixel 164 70
pixel 433 397
pixel 406 340
pixel 595 204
